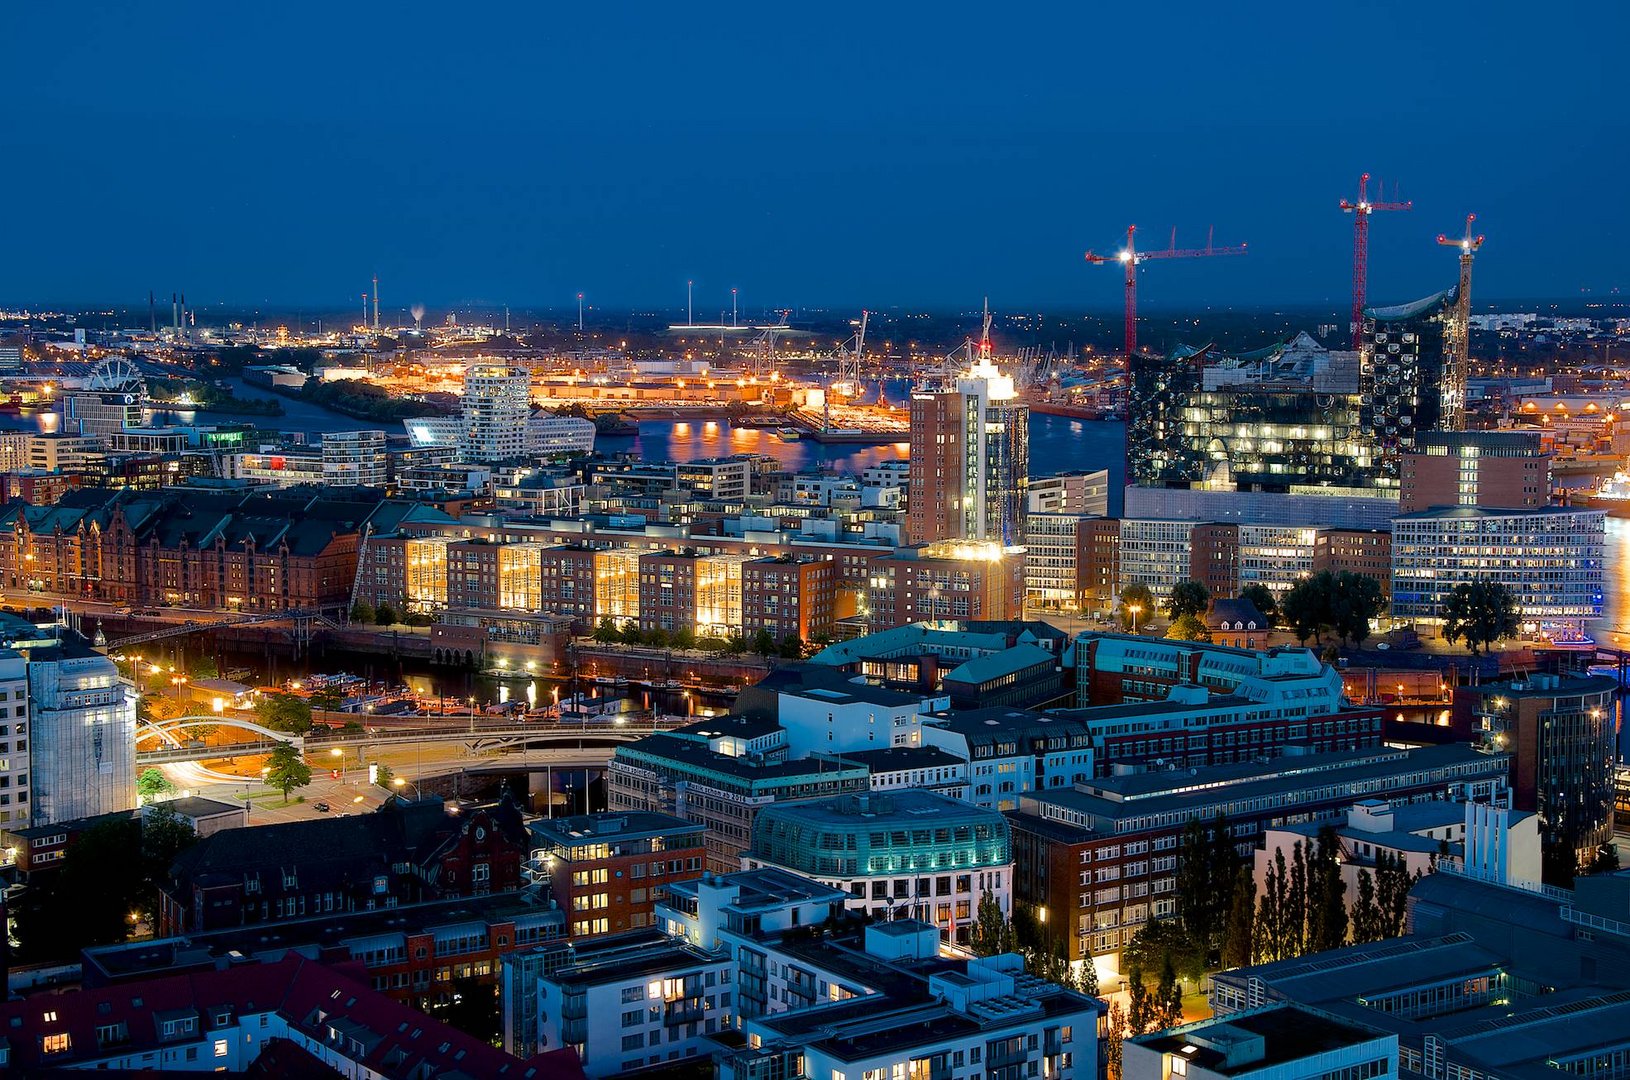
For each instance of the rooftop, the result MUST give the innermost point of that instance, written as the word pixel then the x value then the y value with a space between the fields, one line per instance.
pixel 1261 1039
pixel 583 829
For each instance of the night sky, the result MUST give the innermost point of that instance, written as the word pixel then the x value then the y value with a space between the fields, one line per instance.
pixel 808 154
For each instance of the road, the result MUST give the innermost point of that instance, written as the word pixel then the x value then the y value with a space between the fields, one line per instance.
pixel 351 792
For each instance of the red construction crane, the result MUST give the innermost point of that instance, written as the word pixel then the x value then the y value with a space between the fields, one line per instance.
pixel 1454 381
pixel 1131 257
pixel 1361 209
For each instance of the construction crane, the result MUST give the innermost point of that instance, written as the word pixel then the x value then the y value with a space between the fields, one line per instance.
pixel 1361 209
pixel 1454 381
pixel 1131 258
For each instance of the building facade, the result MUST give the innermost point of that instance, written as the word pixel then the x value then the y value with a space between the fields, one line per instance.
pixel 606 870
pixel 1550 558
pixel 909 854
pixel 970 461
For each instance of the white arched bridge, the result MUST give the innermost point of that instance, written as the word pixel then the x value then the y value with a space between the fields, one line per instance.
pixel 483 738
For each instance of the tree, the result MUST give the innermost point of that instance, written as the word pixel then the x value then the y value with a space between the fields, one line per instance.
pixel 1271 934
pixel 362 612
pixel 1087 981
pixel 1139 1009
pixel 1168 1000
pixel 1188 598
pixel 1239 941
pixel 1188 628
pixel 1357 602
pixel 1366 912
pixel 992 934
pixel 153 784
pixel 164 835
pixel 1165 939
pixel 1392 884
pixel 1261 598
pixel 1136 596
pixel 386 615
pixel 383 776
pixel 607 633
pixel 1296 904
pixel 1480 612
pixel 1115 1032
pixel 287 769
pixel 284 712
pixel 327 698
pixel 764 643
pixel 1326 894
pixel 1303 609
pixel 89 899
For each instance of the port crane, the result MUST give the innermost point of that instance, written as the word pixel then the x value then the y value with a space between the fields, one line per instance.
pixel 848 379
pixel 1131 258
pixel 1454 380
pixel 1361 208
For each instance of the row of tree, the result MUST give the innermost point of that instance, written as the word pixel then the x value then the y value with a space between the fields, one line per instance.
pixel 386 615
pixel 1304 909
pixel 762 642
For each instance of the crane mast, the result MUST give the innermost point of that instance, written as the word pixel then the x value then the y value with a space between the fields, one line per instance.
pixel 1454 379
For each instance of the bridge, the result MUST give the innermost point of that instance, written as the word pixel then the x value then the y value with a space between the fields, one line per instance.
pixel 482 738
pixel 302 617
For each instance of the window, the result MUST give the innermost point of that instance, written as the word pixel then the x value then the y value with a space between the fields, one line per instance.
pixel 55 1043
pixel 220 1048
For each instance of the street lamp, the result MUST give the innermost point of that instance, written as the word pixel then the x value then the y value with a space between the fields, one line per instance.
pixel 400 782
pixel 339 753
pixel 1134 609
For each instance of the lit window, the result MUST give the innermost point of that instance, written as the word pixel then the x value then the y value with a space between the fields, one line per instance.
pixel 54 1044
pixel 220 1048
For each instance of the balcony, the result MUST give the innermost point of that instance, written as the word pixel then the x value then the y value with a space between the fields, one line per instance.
pixel 683 1011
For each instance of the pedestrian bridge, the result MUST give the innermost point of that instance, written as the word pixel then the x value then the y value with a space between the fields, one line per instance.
pixel 485 738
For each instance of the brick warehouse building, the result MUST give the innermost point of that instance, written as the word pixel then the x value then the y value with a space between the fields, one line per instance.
pixel 250 551
pixel 605 870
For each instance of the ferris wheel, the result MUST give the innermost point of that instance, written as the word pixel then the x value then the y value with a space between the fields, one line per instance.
pixel 119 375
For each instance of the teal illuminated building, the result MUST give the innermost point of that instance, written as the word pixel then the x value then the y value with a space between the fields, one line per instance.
pixel 907 854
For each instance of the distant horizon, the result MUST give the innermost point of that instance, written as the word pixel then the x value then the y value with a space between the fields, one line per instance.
pixel 758 315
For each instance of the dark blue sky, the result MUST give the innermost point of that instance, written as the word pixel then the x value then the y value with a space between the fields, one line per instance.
pixel 809 154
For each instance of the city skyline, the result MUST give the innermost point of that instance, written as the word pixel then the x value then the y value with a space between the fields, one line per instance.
pixel 850 161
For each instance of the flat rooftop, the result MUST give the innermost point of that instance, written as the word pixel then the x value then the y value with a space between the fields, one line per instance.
pixel 1287 1033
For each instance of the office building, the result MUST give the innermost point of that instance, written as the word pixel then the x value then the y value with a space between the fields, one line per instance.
pixel 1274 556
pixel 1283 420
pixel 926 767
pixel 910 854
pixel 1011 752
pixel 1052 561
pixel 1497 470
pixel 1560 733
pixel 102 412
pixel 1550 558
pixel 1278 1042
pixel 1116 668
pixel 606 870
pixel 495 423
pixel 79 734
pixel 787 597
pixel 970 463
pixel 15 790
pixel 1155 554
pixel 354 459
pixel 1485 840
pixel 721 774
pixel 618 1003
pixel 1494 981
pixel 1101 856
pixel 1367 552
pixel 943 581
pixel 1406 376
pixel 1076 492
pixel 930 1017
pixel 1098 564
